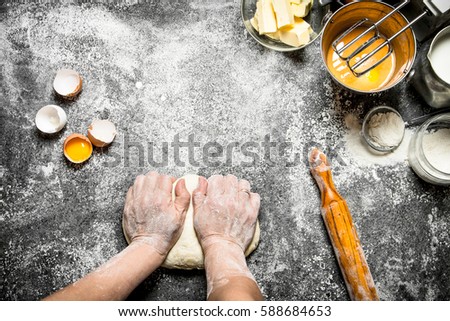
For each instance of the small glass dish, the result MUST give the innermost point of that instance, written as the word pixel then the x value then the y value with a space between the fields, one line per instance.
pixel 365 129
pixel 317 18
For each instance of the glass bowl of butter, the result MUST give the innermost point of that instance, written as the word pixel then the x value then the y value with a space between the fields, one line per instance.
pixel 284 25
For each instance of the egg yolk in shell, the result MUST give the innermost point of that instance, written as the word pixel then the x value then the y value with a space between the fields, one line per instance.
pixel 78 150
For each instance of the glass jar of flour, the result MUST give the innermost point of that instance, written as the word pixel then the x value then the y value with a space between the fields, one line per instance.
pixel 429 150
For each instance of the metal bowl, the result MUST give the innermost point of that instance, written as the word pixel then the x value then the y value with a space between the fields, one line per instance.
pixel 317 18
pixel 404 46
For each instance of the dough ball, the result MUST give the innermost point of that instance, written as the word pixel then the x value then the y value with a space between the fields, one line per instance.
pixel 187 253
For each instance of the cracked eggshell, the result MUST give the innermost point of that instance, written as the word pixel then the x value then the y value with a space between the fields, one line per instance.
pixel 50 119
pixel 67 83
pixel 101 132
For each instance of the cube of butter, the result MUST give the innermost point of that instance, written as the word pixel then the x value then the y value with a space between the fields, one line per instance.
pixel 266 17
pixel 301 23
pixel 254 22
pixel 274 36
pixel 283 11
pixel 299 10
pixel 296 36
pixel 306 2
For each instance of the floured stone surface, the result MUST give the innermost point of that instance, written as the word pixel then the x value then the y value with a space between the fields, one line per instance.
pixel 179 68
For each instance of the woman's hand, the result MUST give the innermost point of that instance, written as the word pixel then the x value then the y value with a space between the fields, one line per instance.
pixel 151 215
pixel 225 211
pixel 225 214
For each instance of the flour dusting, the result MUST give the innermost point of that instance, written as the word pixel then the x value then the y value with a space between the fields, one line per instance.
pixel 363 155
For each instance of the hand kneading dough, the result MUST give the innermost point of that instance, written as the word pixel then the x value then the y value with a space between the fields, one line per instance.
pixel 187 253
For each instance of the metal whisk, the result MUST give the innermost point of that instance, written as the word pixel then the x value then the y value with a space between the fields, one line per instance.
pixel 354 64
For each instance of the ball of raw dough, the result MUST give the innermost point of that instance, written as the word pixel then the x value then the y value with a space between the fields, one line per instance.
pixel 187 253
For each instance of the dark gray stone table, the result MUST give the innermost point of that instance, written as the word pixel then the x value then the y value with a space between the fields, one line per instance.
pixel 166 70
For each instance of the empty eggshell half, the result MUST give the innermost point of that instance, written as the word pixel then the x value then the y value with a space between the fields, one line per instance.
pixel 50 119
pixel 67 83
pixel 101 132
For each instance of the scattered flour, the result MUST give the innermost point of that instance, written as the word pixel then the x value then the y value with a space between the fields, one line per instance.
pixel 363 155
pixel 386 129
pixel 48 169
pixel 436 148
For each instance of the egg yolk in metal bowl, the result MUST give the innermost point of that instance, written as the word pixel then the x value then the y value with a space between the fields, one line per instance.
pixel 373 80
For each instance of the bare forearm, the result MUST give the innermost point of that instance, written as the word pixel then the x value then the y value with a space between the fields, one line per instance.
pixel 228 276
pixel 237 289
pixel 115 279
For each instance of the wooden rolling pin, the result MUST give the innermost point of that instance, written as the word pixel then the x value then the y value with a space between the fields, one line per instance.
pixel 342 232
